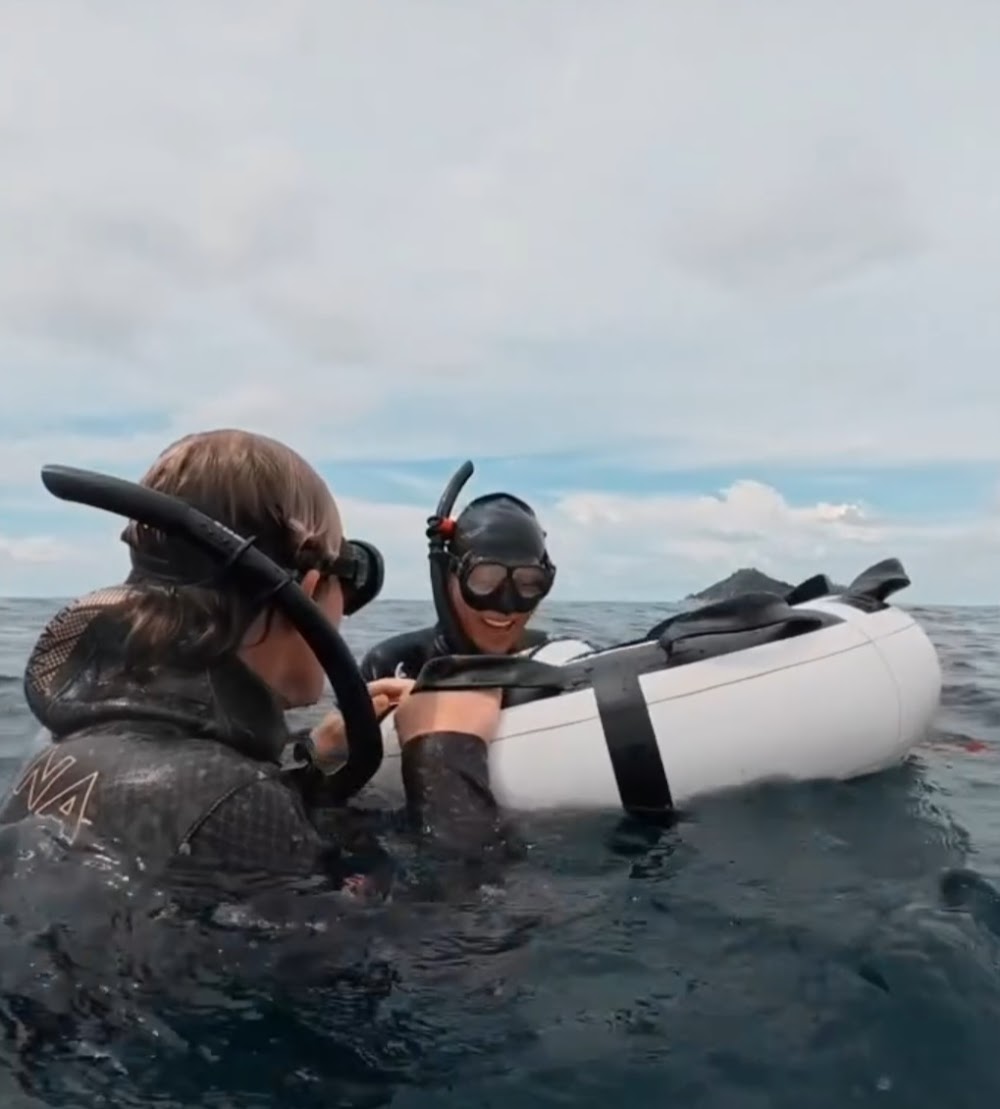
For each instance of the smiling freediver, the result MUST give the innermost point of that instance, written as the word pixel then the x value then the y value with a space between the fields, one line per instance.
pixel 490 570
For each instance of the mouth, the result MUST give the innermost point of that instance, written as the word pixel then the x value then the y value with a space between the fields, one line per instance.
pixel 500 625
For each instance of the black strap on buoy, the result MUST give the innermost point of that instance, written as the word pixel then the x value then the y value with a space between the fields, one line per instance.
pixel 632 745
pixel 631 740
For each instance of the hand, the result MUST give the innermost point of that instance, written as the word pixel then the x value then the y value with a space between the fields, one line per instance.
pixel 330 736
pixel 388 693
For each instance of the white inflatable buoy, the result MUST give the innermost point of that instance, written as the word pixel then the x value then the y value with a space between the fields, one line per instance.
pixel 812 686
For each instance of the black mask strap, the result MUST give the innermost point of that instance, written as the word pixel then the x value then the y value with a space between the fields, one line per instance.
pixel 156 570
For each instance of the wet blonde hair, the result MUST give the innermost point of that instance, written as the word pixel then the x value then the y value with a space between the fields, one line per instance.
pixel 253 485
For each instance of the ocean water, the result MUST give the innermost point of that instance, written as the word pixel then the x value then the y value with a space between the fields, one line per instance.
pixel 821 945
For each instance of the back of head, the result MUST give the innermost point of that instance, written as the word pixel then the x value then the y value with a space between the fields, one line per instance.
pixel 501 527
pixel 253 485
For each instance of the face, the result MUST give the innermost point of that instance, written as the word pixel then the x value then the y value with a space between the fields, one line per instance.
pixel 283 658
pixel 299 678
pixel 493 633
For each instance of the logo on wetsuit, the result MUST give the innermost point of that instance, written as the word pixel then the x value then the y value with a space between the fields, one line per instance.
pixel 54 791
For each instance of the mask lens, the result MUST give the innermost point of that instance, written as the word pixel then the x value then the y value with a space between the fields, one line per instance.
pixel 530 581
pixel 361 573
pixel 485 578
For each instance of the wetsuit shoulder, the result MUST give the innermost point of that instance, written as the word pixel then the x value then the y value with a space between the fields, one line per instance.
pixel 141 788
pixel 190 810
pixel 259 826
pixel 400 656
pixel 532 638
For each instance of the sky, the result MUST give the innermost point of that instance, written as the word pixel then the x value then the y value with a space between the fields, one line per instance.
pixel 711 284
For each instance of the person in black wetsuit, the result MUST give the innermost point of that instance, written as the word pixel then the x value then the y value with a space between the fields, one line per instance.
pixel 495 570
pixel 165 698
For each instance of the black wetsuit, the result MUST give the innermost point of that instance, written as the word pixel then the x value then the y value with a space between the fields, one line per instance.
pixel 403 655
pixel 179 774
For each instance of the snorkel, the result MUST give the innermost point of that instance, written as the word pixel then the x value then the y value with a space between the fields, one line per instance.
pixel 440 528
pixel 255 572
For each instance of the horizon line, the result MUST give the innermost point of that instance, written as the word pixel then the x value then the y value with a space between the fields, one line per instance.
pixel 569 601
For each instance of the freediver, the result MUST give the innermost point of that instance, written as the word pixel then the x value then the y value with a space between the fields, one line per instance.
pixel 490 570
pixel 165 697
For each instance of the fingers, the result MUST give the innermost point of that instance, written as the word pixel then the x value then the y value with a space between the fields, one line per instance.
pixel 393 688
pixel 329 736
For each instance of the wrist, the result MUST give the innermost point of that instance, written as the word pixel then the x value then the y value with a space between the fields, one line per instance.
pixel 441 737
pixel 327 742
pixel 303 745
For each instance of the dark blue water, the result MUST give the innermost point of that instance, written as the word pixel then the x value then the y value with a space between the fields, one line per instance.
pixel 799 946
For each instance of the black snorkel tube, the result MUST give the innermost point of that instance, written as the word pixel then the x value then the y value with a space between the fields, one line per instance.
pixel 439 527
pixel 254 571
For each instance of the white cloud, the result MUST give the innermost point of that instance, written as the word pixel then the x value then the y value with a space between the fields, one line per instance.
pixel 33 550
pixel 40 565
pixel 725 233
pixel 45 566
pixel 670 546
pixel 676 233
pixel 687 541
pixel 634 548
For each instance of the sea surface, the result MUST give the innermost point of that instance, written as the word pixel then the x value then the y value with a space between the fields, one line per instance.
pixel 799 947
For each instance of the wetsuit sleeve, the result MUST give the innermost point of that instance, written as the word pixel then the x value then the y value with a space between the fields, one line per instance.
pixel 448 796
pixel 259 848
pixel 316 789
